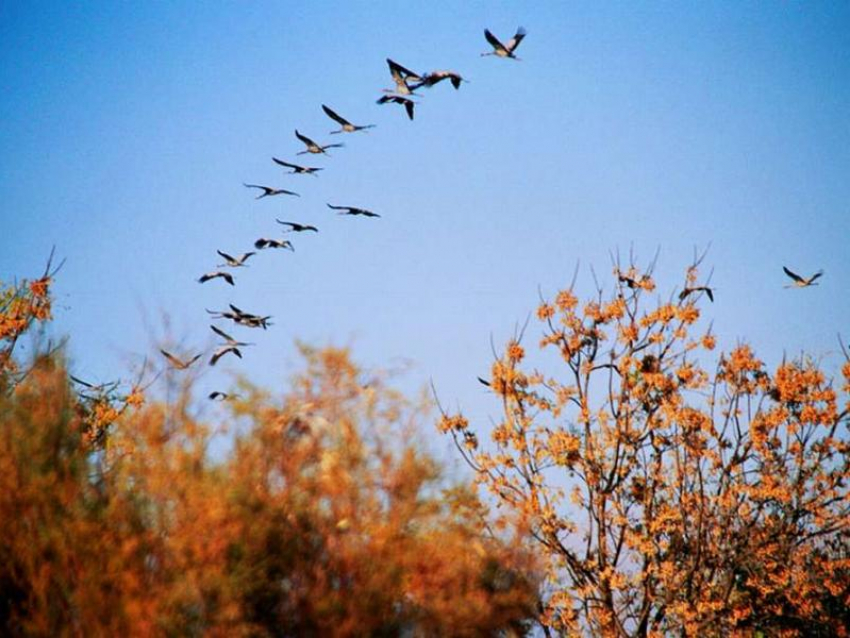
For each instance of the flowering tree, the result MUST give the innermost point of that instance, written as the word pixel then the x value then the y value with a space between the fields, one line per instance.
pixel 667 497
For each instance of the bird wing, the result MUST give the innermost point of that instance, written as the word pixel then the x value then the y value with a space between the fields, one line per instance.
pixel 227 277
pixel 408 106
pixel 334 116
pixel 177 363
pixel 710 294
pixel 286 192
pixel 513 43
pixel 193 359
pixel 338 207
pixel 333 146
pixel 286 164
pixel 818 274
pixel 225 255
pixel 221 333
pixel 793 275
pixel 494 41
pixel 305 139
pixel 401 72
pixel 292 225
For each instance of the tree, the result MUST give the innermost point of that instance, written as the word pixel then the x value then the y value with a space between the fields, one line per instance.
pixel 666 497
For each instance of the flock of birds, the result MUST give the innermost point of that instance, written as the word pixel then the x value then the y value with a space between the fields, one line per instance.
pixel 406 83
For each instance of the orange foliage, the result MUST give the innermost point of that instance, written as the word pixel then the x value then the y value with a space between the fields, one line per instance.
pixel 665 497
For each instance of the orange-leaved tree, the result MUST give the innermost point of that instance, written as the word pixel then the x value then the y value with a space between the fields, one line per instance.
pixel 668 496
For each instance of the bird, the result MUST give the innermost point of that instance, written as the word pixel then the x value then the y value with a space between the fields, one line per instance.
pixel 434 77
pixel 801 282
pixel 352 210
pixel 297 228
pixel 180 364
pixel 230 340
pixel 397 99
pixel 265 242
pixel 218 396
pixel 234 262
pixel 312 147
pixel 268 191
pixel 241 317
pixel 687 291
pixel 218 273
pixel 504 50
pixel 401 76
pixel 347 127
pixel 296 169
pixel 223 350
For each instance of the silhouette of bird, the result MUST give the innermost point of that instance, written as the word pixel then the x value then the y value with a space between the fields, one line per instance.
pixel 435 77
pixel 504 50
pixel 241 317
pixel 177 363
pixel 397 99
pixel 296 169
pixel 312 147
pixel 687 291
pixel 223 350
pixel 265 242
pixel 218 396
pixel 230 340
pixel 269 191
pixel 352 210
pixel 297 228
pixel 401 77
pixel 218 273
pixel 801 282
pixel 234 262
pixel 347 127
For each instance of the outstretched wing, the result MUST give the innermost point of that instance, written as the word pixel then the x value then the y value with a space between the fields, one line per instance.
pixel 305 139
pixel 221 333
pixel 286 164
pixel 513 43
pixel 399 71
pixel 817 275
pixel 793 275
pixel 334 116
pixel 494 41
pixel 338 207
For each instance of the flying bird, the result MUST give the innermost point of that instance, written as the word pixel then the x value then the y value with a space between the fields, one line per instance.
pixel 687 291
pixel 297 228
pixel 234 262
pixel 265 242
pixel 218 396
pixel 347 127
pixel 296 169
pixel 241 317
pixel 435 77
pixel 177 363
pixel 223 350
pixel 218 273
pixel 801 282
pixel 352 210
pixel 397 99
pixel 269 191
pixel 504 50
pixel 401 77
pixel 312 147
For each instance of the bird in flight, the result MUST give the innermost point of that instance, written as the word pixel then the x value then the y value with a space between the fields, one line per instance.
pixel 801 282
pixel 223 350
pixel 177 363
pixel 218 273
pixel 504 50
pixel 296 169
pixel 352 210
pixel 234 262
pixel 312 147
pixel 347 127
pixel 401 77
pixel 297 228
pixel 397 99
pixel 265 242
pixel 218 396
pixel 241 317
pixel 434 77
pixel 269 191
pixel 687 291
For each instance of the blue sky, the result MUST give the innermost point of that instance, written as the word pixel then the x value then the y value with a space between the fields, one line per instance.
pixel 128 130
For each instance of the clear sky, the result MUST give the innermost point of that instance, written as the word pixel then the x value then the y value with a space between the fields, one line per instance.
pixel 127 130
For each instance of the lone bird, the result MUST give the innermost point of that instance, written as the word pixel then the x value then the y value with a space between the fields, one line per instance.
pixel 269 191
pixel 312 147
pixel 435 77
pixel 265 242
pixel 223 350
pixel 218 273
pixel 218 396
pixel 687 291
pixel 397 99
pixel 347 127
pixel 504 50
pixel 801 282
pixel 297 228
pixel 296 169
pixel 401 77
pixel 234 262
pixel 352 210
pixel 177 363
